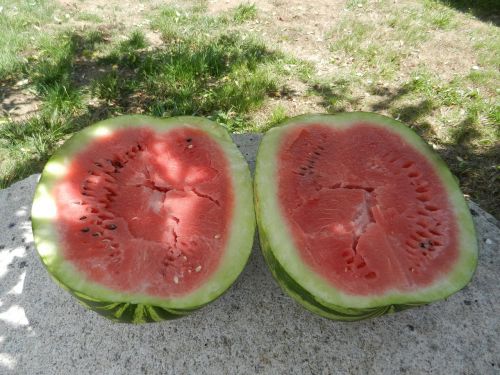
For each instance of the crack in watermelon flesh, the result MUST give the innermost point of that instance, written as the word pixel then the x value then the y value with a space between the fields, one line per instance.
pixel 367 211
pixel 146 212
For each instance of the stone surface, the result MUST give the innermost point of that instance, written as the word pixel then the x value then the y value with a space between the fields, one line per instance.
pixel 252 329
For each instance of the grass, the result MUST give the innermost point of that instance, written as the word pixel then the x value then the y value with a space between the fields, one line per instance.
pixel 222 75
pixel 438 16
pixel 245 12
pixel 89 17
pixel 20 22
pixel 24 150
pixel 337 94
pixel 473 115
pixel 277 116
pixel 351 41
pixel 53 62
pixel 351 4
pixel 398 31
pixel 212 66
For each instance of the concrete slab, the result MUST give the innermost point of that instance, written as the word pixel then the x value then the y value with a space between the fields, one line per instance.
pixel 252 329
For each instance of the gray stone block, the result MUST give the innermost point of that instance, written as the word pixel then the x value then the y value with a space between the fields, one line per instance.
pixel 253 329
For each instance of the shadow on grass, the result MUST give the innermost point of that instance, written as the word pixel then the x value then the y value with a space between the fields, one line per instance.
pixel 192 76
pixel 221 78
pixel 335 96
pixel 485 10
pixel 478 172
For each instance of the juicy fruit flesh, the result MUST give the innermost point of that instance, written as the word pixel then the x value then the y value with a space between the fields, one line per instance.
pixel 367 211
pixel 146 212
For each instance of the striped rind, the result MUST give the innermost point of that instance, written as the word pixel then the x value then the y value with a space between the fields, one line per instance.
pixel 312 303
pixel 307 287
pixel 127 312
pixel 138 308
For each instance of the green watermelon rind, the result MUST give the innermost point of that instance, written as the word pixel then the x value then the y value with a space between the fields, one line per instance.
pixel 310 302
pixel 133 307
pixel 309 288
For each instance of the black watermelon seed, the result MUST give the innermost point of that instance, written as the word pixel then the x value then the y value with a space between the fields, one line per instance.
pixel 425 245
pixel 189 139
pixel 96 234
pixel 85 230
pixel 116 164
pixel 83 217
pixel 111 226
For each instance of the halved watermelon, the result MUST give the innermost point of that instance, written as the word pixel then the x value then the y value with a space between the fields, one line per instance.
pixel 145 219
pixel 358 217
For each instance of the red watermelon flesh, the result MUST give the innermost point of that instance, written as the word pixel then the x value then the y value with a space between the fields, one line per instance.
pixel 146 212
pixel 367 221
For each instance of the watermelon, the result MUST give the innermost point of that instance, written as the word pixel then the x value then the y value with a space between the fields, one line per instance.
pixel 358 217
pixel 145 219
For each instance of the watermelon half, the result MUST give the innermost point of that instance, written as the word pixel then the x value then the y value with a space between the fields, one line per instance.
pixel 145 219
pixel 358 217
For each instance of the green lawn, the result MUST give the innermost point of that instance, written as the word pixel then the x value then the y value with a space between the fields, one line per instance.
pixel 212 65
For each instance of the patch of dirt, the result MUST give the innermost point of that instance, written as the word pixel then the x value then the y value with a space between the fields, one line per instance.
pixel 17 103
pixel 129 13
pixel 294 99
pixel 121 16
pixel 446 53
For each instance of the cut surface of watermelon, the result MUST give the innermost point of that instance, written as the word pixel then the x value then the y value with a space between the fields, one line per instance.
pixel 358 216
pixel 145 219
